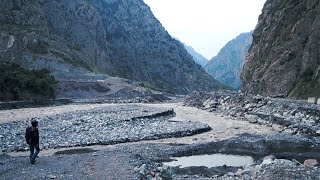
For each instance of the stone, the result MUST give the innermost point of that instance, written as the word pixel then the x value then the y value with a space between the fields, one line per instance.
pixel 247 106
pixel 318 102
pixel 247 177
pixel 276 127
pixel 312 100
pixel 52 176
pixel 284 162
pixel 252 118
pixel 142 170
pixel 149 177
pixel 268 160
pixel 226 98
pixel 293 112
pixel 310 162
pixel 165 172
pixel 239 172
pixel 230 174
pixel 262 122
pixel 289 131
pixel 258 98
pixel 318 132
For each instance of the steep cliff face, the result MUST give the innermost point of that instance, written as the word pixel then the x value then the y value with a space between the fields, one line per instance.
pixel 76 39
pixel 67 37
pixel 141 48
pixel 285 54
pixel 227 65
pixel 198 58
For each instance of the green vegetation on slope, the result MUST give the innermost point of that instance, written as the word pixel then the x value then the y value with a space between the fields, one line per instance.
pixel 307 86
pixel 17 83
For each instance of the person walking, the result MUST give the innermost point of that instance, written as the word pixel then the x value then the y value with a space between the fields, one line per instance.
pixel 32 138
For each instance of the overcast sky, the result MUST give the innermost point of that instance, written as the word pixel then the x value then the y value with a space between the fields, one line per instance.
pixel 206 25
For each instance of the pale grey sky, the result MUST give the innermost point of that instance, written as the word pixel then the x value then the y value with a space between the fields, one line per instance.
pixel 206 25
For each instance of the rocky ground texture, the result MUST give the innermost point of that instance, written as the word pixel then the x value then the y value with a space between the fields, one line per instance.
pixel 227 119
pixel 115 124
pixel 287 115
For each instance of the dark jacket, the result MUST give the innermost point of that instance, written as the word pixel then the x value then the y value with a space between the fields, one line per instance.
pixel 32 135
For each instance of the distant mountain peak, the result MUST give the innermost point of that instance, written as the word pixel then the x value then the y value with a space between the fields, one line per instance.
pixel 227 65
pixel 197 57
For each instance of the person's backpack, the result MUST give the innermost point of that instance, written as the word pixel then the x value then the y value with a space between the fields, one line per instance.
pixel 29 135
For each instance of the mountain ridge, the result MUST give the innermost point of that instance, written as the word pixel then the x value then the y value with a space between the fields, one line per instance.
pixel 227 65
pixel 197 57
pixel 91 39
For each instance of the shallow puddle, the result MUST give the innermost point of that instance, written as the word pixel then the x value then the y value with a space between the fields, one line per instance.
pixel 212 160
pixel 75 151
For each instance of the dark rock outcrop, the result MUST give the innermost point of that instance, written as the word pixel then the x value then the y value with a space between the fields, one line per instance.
pixel 66 37
pixel 227 65
pixel 80 38
pixel 284 56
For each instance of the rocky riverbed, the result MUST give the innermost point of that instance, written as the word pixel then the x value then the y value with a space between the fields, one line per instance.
pixel 114 124
pixel 287 115
pixel 278 153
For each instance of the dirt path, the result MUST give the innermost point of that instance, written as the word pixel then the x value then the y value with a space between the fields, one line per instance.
pixel 222 127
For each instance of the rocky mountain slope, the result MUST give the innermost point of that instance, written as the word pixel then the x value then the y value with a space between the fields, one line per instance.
pixel 87 39
pixel 284 56
pixel 227 65
pixel 198 58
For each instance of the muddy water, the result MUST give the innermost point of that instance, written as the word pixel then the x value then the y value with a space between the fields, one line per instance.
pixel 212 160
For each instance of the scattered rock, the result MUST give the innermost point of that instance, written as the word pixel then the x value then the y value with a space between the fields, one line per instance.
pixel 268 160
pixel 312 100
pixel 276 127
pixel 165 172
pixel 252 118
pixel 52 177
pixel 290 116
pixel 142 170
pixel 310 162
pixel 116 124
pixel 239 172
pixel 284 162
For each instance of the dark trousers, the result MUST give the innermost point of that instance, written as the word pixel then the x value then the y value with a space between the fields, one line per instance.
pixel 34 151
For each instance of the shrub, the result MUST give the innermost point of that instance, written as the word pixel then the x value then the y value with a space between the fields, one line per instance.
pixel 17 83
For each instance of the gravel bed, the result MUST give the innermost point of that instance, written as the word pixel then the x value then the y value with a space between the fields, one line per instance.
pixel 98 165
pixel 123 123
